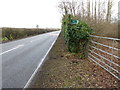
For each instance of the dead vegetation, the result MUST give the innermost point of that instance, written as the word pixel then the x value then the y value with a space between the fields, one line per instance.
pixel 66 70
pixel 9 34
pixel 98 14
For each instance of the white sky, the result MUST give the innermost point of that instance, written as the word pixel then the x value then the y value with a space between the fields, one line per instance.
pixel 29 13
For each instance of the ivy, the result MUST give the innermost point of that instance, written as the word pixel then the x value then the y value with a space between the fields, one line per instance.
pixel 76 35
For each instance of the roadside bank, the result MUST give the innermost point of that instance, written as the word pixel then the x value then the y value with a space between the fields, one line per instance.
pixel 62 69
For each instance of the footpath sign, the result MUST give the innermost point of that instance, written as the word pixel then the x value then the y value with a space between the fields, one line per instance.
pixel 74 21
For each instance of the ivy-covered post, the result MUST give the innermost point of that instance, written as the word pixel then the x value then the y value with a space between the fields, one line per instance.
pixel 68 31
pixel 64 28
pixel 76 34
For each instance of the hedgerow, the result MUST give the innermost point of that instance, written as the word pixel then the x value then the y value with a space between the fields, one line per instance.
pixel 9 34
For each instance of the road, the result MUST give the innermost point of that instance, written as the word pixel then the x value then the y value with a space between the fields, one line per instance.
pixel 20 58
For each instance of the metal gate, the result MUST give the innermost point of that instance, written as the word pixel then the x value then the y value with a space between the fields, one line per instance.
pixel 105 51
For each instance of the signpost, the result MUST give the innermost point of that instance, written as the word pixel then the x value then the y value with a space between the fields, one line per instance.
pixel 37 26
pixel 74 21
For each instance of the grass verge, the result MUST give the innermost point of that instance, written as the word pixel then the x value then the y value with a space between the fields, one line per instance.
pixel 66 70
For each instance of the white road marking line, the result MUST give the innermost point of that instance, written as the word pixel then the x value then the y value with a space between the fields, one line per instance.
pixel 29 81
pixel 11 49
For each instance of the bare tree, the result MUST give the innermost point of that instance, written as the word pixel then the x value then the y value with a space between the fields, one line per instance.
pixel 83 10
pixel 109 7
pixel 99 11
pixel 92 10
pixel 63 8
pixel 88 8
pixel 68 7
pixel 73 7
pixel 103 12
pixel 95 14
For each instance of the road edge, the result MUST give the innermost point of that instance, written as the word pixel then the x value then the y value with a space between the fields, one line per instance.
pixel 32 76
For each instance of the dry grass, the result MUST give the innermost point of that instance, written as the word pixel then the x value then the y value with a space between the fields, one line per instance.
pixel 104 28
pixel 9 34
pixel 101 27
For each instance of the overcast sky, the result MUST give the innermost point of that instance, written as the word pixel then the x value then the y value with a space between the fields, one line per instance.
pixel 29 13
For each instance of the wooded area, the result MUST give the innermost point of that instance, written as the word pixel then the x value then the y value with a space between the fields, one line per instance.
pixel 98 14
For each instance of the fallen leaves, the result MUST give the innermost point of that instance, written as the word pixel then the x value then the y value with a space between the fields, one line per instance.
pixel 66 70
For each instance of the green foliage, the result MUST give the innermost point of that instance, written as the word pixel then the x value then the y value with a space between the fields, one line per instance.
pixel 76 35
pixel 4 39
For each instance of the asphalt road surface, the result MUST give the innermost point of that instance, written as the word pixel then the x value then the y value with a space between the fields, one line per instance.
pixel 20 58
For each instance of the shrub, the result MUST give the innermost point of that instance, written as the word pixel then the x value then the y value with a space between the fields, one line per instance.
pixel 76 35
pixel 17 33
